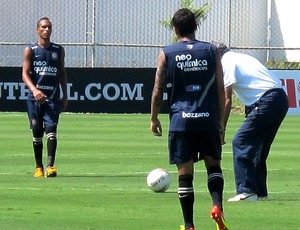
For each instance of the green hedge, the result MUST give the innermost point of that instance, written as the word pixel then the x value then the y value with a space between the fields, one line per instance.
pixel 283 65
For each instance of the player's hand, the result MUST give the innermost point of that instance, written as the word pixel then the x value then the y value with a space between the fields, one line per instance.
pixel 39 96
pixel 155 127
pixel 222 137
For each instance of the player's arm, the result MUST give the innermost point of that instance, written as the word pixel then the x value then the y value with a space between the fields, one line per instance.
pixel 157 94
pixel 228 103
pixel 26 77
pixel 221 96
pixel 63 80
pixel 229 69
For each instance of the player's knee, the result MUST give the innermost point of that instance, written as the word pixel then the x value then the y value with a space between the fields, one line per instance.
pixel 51 132
pixel 50 129
pixel 37 133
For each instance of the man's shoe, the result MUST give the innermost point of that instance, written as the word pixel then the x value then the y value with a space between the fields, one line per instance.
pixel 182 227
pixel 218 216
pixel 50 172
pixel 244 197
pixel 39 172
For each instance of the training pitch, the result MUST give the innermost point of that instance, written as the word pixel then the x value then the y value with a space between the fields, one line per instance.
pixel 102 163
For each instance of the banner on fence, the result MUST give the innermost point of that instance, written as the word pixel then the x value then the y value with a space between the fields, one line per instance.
pixel 114 90
pixel 291 84
pixel 90 90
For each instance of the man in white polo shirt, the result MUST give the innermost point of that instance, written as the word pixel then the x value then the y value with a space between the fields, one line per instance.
pixel 266 105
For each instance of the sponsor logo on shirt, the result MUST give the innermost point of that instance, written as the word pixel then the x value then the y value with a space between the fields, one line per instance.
pixel 194 115
pixel 41 68
pixel 192 88
pixel 186 63
pixel 46 87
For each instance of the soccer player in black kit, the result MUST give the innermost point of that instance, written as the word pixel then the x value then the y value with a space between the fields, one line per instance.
pixel 191 71
pixel 43 73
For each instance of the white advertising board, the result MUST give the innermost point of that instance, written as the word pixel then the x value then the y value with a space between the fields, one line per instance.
pixel 291 84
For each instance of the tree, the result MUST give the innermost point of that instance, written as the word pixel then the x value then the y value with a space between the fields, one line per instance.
pixel 200 14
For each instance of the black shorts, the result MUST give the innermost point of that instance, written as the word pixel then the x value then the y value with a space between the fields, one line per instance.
pixel 194 145
pixel 43 115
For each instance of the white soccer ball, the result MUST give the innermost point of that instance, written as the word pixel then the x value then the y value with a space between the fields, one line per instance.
pixel 158 180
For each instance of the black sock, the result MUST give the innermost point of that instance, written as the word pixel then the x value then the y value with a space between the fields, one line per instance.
pixel 51 147
pixel 38 151
pixel 215 184
pixel 186 198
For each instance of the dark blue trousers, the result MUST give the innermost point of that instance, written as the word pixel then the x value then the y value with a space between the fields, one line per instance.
pixel 252 142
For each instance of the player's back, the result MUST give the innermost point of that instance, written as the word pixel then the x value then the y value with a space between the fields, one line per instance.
pixel 191 85
pixel 249 77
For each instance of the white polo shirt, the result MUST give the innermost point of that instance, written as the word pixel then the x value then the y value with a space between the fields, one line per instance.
pixel 249 78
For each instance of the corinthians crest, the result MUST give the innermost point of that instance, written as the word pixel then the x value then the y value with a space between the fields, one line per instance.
pixel 54 56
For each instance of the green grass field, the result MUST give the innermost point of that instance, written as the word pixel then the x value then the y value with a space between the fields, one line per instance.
pixel 102 162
